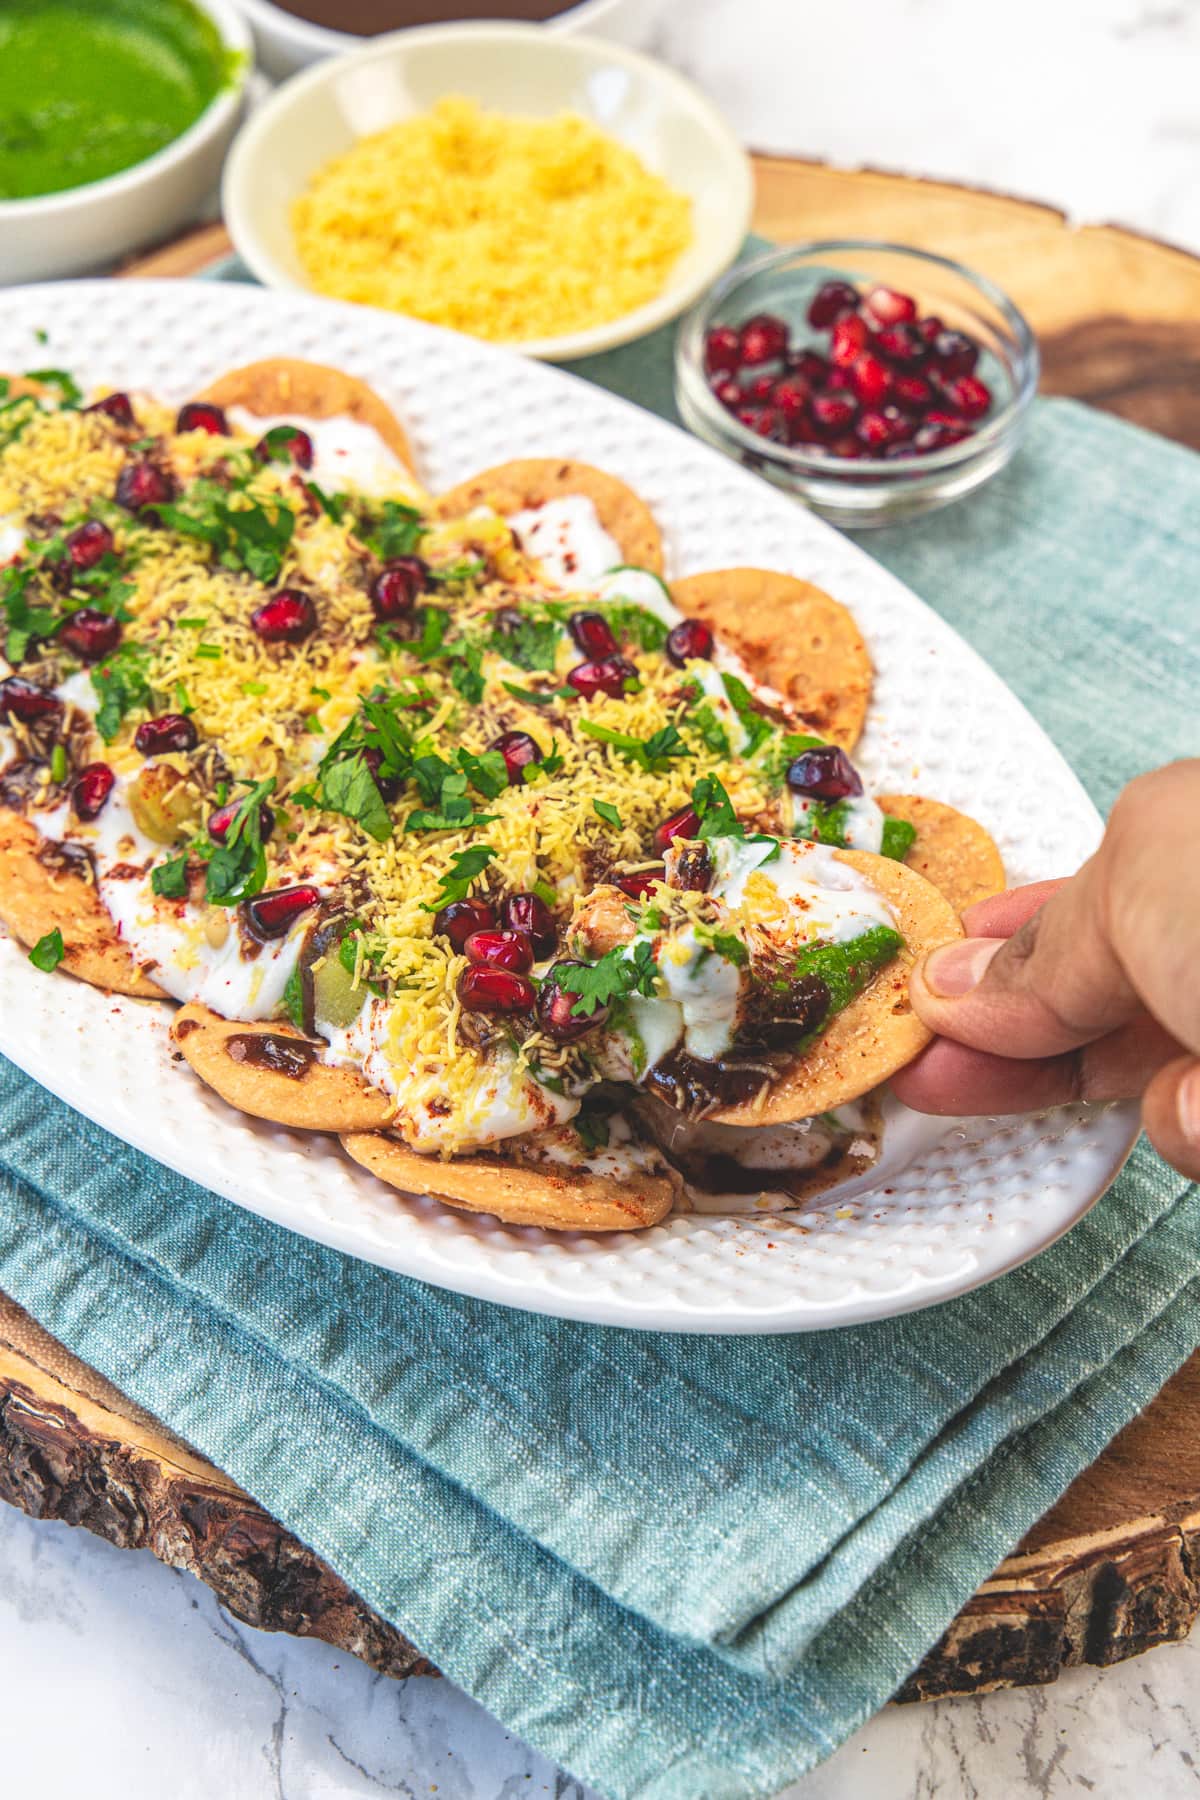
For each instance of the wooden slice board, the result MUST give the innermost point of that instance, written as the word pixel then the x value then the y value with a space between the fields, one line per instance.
pixel 1114 1568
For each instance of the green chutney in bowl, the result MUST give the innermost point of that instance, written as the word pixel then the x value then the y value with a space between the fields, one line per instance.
pixel 91 87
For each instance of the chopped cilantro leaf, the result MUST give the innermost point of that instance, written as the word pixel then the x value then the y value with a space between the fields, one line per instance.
pixel 531 643
pixel 592 1128
pixel 347 786
pixel 466 866
pixel 535 697
pixel 237 867
pixel 170 879
pixel 714 809
pixel 122 687
pixel 653 753
pixel 756 727
pixel 629 969
pixel 603 809
pixel 65 387
pixel 332 505
pixel 709 729
pixel 395 530
pixel 253 536
pixel 48 952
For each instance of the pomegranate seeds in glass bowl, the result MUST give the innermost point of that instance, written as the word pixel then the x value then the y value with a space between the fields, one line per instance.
pixel 872 381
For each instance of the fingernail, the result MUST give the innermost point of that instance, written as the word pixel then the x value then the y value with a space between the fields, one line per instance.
pixel 955 969
pixel 1187 1100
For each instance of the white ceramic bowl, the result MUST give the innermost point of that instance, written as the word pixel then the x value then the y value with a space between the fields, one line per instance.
pixel 285 43
pixel 90 227
pixel 508 68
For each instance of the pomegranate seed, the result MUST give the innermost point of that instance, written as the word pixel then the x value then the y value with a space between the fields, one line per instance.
pixel 838 382
pixel 728 392
pixel 202 415
pixel 88 543
pixel 849 340
pixel 682 824
pixel 388 785
pixel 801 430
pixel 639 886
pixel 690 638
pixel 847 446
pixel 830 302
pixel 594 635
pixel 912 392
pixel 969 396
pixel 288 617
pixel 764 338
pixel 26 702
pixel 955 353
pixel 901 343
pixel 889 307
pixel 939 416
pixel 824 773
pixel 790 396
pixel 721 354
pixel 556 1007
pixel 501 950
pixel 91 634
pixel 273 915
pixel 940 437
pixel 833 413
pixel 768 422
pixel 870 379
pixel 811 366
pixel 526 913
pixel 929 327
pixel 488 990
pixel 91 789
pixel 114 406
pixel 605 677
pixel 395 589
pixel 296 445
pixel 518 750
pixel 143 484
pixel 220 821
pixel 873 431
pixel 901 423
pixel 760 389
pixel 170 731
pixel 462 917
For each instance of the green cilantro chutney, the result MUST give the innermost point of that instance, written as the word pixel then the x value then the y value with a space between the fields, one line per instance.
pixel 90 87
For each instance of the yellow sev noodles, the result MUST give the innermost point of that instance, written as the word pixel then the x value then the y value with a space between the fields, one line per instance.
pixel 506 228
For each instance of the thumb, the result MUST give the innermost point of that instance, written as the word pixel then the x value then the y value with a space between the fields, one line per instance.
pixel 1055 984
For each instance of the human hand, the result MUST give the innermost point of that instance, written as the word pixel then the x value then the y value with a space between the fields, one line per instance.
pixel 1082 989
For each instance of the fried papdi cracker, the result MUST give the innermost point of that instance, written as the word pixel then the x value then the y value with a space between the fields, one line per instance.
pixel 307 390
pixel 878 1032
pixel 566 1199
pixel 950 849
pixel 40 889
pixel 511 487
pixel 793 637
pixel 272 1071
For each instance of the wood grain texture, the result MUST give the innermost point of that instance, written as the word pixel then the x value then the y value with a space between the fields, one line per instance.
pixel 1114 1567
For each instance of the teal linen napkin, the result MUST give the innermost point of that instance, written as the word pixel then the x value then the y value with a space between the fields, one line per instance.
pixel 684 1566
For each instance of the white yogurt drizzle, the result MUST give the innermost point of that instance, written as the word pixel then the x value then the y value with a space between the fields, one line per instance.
pixel 567 540
pixel 346 453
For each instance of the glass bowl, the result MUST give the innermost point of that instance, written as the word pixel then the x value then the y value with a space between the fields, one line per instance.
pixel 869 490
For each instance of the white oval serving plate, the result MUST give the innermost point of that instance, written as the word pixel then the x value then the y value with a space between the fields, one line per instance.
pixel 975 1200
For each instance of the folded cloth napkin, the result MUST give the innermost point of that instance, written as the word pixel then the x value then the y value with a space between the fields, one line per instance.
pixel 684 1566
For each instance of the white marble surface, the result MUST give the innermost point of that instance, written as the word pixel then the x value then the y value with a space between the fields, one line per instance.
pixel 1090 104
pixel 145 1690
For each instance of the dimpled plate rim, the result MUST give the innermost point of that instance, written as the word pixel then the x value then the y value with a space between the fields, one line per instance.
pixel 984 1198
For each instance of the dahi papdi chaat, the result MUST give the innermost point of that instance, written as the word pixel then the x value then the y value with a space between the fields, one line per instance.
pixel 453 828
pixel 513 229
